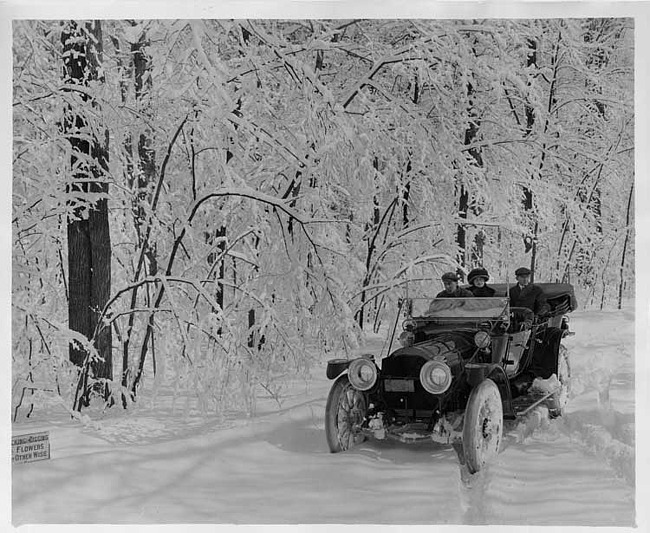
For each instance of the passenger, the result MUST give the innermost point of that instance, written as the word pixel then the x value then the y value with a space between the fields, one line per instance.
pixel 452 290
pixel 526 294
pixel 477 283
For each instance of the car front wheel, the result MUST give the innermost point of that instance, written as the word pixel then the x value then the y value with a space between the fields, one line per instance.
pixel 344 413
pixel 483 425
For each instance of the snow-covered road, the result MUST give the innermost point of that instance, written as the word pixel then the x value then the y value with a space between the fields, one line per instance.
pixel 154 467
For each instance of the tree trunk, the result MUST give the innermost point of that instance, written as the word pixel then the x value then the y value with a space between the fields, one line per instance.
pixel 475 251
pixel 146 154
pixel 529 240
pixel 461 231
pixel 134 68
pixel 630 203
pixel 89 246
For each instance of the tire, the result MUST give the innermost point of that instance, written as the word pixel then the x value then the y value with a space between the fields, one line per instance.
pixel 344 413
pixel 483 425
pixel 559 400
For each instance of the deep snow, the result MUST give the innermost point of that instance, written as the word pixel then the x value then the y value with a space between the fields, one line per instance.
pixel 154 466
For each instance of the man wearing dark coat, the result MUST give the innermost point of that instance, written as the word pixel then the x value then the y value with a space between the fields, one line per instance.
pixel 526 294
pixel 477 279
pixel 452 290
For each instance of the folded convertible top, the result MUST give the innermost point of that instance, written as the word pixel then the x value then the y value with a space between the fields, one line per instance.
pixel 556 293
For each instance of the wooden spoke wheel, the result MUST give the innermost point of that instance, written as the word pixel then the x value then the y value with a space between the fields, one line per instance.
pixel 345 412
pixel 483 425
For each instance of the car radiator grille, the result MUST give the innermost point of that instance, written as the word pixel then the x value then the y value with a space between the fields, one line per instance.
pixel 401 388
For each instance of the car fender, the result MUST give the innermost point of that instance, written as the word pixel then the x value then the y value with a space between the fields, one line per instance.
pixel 545 355
pixel 478 372
pixel 336 367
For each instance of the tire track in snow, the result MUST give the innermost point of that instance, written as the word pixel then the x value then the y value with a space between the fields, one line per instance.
pixel 604 433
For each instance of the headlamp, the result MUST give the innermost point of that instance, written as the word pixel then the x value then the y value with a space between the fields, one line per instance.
pixel 407 338
pixel 362 374
pixel 482 339
pixel 435 377
pixel 409 324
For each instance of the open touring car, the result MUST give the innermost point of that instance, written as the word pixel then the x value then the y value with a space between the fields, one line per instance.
pixel 464 365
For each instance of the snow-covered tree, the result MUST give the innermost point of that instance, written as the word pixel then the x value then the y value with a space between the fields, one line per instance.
pixel 274 183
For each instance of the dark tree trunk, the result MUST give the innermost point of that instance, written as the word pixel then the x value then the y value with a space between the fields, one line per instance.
pixel 405 206
pixel 219 234
pixel 461 232
pixel 372 229
pixel 405 196
pixel 529 239
pixel 628 220
pixel 475 250
pixel 89 246
pixel 134 67
pixel 221 246
pixel 146 174
pixel 79 265
pixel 550 108
pixel 100 281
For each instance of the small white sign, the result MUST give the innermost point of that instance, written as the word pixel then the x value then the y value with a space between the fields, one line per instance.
pixel 30 447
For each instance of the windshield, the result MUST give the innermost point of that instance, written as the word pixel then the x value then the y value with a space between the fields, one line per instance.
pixel 460 307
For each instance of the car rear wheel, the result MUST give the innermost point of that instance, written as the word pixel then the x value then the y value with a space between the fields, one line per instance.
pixel 344 413
pixel 559 399
pixel 483 425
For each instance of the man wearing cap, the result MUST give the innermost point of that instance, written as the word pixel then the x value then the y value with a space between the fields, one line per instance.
pixel 477 279
pixel 527 294
pixel 452 290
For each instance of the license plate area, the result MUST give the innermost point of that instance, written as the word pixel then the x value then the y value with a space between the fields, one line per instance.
pixel 399 385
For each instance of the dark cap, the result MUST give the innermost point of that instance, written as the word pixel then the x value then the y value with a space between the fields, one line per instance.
pixel 477 273
pixel 522 271
pixel 450 276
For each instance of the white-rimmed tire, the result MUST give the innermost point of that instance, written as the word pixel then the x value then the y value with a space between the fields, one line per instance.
pixel 483 425
pixel 344 413
pixel 558 401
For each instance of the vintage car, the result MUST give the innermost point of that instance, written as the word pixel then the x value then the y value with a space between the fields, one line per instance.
pixel 464 365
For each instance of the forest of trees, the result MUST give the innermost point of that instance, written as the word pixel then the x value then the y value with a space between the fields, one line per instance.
pixel 216 204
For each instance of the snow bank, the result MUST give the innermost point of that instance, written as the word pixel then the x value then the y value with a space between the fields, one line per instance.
pixel 545 386
pixel 600 414
pixel 158 466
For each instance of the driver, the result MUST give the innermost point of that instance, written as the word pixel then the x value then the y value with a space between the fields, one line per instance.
pixel 452 290
pixel 527 294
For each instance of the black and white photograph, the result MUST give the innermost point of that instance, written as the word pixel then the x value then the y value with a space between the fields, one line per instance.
pixel 326 265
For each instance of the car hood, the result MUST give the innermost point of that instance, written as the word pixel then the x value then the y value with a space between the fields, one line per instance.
pixel 427 349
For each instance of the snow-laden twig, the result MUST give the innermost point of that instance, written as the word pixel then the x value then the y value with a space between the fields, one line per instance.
pixel 292 63
pixel 396 57
pixel 393 281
